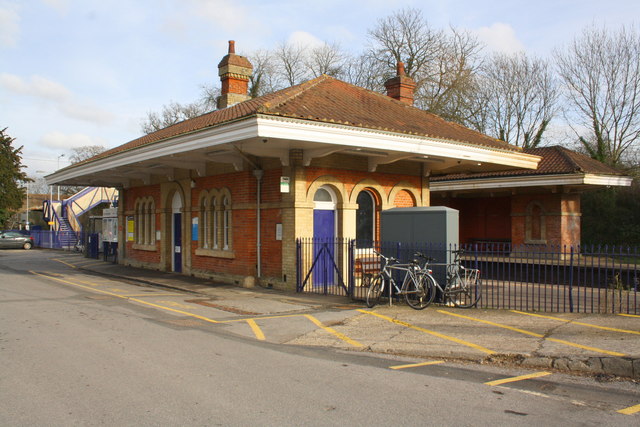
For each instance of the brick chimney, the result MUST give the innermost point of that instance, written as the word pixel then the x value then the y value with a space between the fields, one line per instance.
pixel 401 86
pixel 234 71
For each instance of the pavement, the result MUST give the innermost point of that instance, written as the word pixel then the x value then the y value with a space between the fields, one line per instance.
pixel 593 344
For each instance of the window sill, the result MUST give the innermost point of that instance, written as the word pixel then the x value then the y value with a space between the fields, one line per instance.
pixel 216 253
pixel 139 247
pixel 535 242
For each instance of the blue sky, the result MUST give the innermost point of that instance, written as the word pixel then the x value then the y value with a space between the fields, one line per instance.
pixel 86 72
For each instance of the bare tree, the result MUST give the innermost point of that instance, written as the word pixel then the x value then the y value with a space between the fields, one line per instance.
pixel 442 64
pixel 600 70
pixel 78 154
pixel 518 98
pixel 263 78
pixel 405 36
pixel 290 64
pixel 450 85
pixel 365 71
pixel 327 58
pixel 171 114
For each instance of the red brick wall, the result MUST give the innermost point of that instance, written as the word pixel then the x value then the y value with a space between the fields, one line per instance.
pixel 481 219
pixel 350 178
pixel 561 217
pixel 243 189
pixel 404 199
pixel 234 85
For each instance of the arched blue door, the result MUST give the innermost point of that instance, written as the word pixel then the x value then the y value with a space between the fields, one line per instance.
pixel 324 233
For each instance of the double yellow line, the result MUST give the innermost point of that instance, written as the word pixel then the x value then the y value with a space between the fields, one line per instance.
pixel 251 322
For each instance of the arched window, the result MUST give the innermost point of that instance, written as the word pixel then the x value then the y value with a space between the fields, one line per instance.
pixel 535 226
pixel 203 219
pixel 226 223
pixel 152 222
pixel 137 222
pixel 144 221
pixel 214 217
pixel 365 220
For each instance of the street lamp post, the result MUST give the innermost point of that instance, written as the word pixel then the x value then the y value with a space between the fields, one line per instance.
pixel 60 156
pixel 27 224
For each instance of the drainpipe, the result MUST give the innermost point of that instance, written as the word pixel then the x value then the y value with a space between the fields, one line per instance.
pixel 258 173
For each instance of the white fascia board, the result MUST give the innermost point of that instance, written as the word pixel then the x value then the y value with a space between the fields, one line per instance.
pixel 528 181
pixel 330 133
pixel 197 140
pixel 609 180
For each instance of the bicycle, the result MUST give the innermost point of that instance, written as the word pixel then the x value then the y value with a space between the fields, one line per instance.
pixel 463 288
pixel 412 287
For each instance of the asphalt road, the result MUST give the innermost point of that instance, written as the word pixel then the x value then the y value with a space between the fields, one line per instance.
pixel 73 356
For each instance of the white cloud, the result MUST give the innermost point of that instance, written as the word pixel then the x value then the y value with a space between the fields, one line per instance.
pixel 59 140
pixel 37 86
pixel 227 14
pixel 304 39
pixel 9 25
pixel 57 94
pixel 500 37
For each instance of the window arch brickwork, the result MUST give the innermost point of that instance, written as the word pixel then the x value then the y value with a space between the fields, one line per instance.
pixel 145 223
pixel 215 218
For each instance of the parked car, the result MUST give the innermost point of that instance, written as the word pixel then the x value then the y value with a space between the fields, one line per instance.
pixel 13 239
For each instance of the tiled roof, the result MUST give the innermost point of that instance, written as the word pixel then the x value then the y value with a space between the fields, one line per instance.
pixel 555 160
pixel 326 99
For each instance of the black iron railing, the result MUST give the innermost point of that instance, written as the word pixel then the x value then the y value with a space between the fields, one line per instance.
pixel 587 279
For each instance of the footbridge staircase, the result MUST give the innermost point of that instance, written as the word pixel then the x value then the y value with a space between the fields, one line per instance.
pixel 63 215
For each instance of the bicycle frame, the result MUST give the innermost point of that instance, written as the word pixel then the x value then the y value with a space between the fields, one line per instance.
pixel 411 277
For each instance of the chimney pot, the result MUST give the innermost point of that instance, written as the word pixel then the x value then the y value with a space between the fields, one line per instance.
pixel 401 86
pixel 235 72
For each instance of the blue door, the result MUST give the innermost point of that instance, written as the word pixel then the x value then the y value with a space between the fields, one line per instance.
pixel 324 225
pixel 177 242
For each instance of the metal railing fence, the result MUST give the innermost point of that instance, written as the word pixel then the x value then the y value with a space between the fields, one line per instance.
pixel 581 279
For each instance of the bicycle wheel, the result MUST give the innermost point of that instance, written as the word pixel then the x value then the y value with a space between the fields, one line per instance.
pixel 467 292
pixel 419 293
pixel 375 290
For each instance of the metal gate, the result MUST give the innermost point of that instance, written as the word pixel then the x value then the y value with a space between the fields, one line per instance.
pixel 323 266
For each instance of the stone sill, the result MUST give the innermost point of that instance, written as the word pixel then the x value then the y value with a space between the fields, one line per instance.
pixel 139 247
pixel 216 253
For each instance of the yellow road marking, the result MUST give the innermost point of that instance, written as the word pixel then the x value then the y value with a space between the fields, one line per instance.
pixel 139 301
pixel 630 410
pixel 86 261
pixel 415 365
pixel 628 315
pixel 260 318
pixel 519 378
pixel 90 264
pixel 175 304
pixel 63 262
pixel 256 329
pixel 149 295
pixel 533 334
pixel 343 337
pixel 606 328
pixel 436 334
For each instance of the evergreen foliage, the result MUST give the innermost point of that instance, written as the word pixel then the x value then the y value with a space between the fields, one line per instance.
pixel 612 216
pixel 12 193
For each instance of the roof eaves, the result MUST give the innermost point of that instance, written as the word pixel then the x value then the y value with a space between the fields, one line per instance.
pixel 111 153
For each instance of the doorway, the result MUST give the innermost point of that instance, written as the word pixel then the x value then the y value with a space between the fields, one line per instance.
pixel 176 233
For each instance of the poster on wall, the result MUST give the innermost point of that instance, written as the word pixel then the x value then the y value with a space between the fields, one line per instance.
pixel 194 229
pixel 130 228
